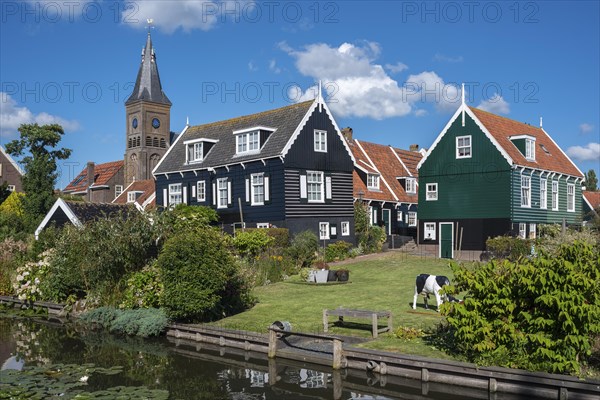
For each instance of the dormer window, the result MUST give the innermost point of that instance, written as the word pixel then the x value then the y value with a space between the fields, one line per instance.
pixel 133 196
pixel 197 149
pixel 373 181
pixel 247 142
pixel 411 185
pixel 530 149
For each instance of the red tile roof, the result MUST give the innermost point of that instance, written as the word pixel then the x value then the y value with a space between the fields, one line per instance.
pixel 593 198
pixel 102 174
pixel 502 128
pixel 377 158
pixel 147 187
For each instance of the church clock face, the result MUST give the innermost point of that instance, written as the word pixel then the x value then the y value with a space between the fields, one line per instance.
pixel 155 123
pixel 134 123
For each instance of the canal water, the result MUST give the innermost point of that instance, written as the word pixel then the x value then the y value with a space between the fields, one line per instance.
pixel 192 371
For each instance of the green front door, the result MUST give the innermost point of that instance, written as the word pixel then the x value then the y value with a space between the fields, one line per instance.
pixel 446 240
pixel 386 221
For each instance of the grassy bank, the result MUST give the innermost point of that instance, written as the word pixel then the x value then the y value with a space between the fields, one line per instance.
pixel 384 283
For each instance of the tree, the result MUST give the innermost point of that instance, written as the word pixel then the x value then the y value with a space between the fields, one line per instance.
pixel 591 181
pixel 34 146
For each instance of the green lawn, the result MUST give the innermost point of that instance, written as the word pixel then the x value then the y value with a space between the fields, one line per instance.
pixel 385 283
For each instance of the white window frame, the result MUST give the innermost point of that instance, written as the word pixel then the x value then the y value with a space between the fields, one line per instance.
pixel 257 181
pixel 194 152
pixel 315 187
pixel 320 141
pixel 373 215
pixel 222 191
pixel 248 142
pixel 530 149
pixel 323 230
pixel 412 218
pixel 201 191
pixel 431 192
pixel 118 190
pixel 11 188
pixel 465 148
pixel 555 185
pixel 411 185
pixel 532 231
pixel 522 230
pixel 570 197
pixel 429 228
pixel 345 228
pixel 131 197
pixel 263 225
pixel 543 193
pixel 175 196
pixel 373 181
pixel 525 191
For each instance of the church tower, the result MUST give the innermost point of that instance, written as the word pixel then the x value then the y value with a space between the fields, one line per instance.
pixel 148 119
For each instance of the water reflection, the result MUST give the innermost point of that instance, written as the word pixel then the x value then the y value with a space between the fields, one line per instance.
pixel 189 370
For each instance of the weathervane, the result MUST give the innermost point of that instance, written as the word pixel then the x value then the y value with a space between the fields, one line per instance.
pixel 150 24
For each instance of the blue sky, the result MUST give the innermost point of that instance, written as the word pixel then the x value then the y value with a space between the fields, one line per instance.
pixel 391 67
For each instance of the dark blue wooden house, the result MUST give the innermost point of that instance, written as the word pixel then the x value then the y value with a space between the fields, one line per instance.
pixel 289 167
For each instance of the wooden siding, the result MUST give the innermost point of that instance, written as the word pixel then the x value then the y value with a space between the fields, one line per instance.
pixel 476 187
pixel 535 214
pixel 475 231
pixel 340 205
pixel 303 156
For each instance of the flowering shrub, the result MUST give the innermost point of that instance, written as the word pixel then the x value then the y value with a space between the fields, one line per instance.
pixel 144 289
pixel 29 277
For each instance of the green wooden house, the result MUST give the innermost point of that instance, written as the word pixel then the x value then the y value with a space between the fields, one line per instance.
pixel 487 175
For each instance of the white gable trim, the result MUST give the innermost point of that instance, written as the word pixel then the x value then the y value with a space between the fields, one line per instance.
pixel 588 203
pixel 13 162
pixel 564 154
pixel 60 203
pixel 399 159
pixel 169 150
pixel 320 103
pixel 375 168
pixel 466 109
pixel 254 128
pixel 200 140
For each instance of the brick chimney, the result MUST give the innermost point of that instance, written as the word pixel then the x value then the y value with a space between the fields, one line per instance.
pixel 347 132
pixel 414 147
pixel 90 173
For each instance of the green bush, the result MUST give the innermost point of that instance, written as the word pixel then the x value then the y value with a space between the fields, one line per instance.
pixel 537 314
pixel 552 237
pixel 267 269
pixel 337 251
pixel 141 322
pixel 508 247
pixel 144 289
pixel 281 236
pixel 372 240
pixel 304 248
pixel 201 280
pixel 93 260
pixel 250 243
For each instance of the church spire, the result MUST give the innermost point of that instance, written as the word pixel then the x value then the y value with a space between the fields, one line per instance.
pixel 147 85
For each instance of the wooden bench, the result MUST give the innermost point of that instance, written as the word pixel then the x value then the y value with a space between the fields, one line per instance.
pixel 372 315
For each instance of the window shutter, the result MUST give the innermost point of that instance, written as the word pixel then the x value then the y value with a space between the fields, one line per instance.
pixel 185 194
pixel 229 192
pixel 247 190
pixel 267 188
pixel 193 191
pixel 165 198
pixel 328 194
pixel 214 194
pixel 303 187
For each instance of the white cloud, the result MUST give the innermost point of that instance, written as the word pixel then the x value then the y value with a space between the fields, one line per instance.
pixel 273 67
pixel 586 128
pixel 357 86
pixel 396 68
pixel 12 116
pixel 495 104
pixel 252 67
pixel 590 152
pixel 188 15
pixel 448 59
pixel 420 112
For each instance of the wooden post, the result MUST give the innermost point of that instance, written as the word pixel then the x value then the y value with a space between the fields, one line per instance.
pixel 337 385
pixel 325 321
pixel 390 327
pixel 272 371
pixel 337 354
pixel 272 343
pixel 374 321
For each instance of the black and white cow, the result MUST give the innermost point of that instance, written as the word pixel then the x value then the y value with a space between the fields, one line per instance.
pixel 431 284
